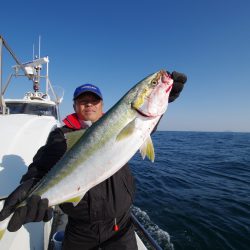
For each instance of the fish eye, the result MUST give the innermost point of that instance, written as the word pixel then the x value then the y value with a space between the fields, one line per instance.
pixel 154 82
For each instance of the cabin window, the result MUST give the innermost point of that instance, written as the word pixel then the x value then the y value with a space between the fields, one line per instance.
pixel 32 109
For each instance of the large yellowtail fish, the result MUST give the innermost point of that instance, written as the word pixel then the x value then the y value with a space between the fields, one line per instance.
pixel 108 144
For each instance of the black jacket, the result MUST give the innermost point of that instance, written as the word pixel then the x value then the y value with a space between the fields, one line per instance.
pixel 109 199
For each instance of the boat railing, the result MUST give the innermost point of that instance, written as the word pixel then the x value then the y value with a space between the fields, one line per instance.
pixel 147 239
pixel 4 110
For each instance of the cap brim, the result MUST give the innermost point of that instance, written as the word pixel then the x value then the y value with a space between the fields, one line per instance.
pixel 93 92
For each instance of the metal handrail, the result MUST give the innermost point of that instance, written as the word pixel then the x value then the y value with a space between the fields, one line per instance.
pixel 34 76
pixel 147 236
pixel 4 109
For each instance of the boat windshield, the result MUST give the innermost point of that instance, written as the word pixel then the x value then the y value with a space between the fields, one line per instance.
pixel 32 109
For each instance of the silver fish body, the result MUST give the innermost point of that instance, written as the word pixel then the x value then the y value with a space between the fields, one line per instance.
pixel 109 143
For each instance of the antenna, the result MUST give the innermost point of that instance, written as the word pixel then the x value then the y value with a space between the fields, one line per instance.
pixel 33 51
pixel 39 45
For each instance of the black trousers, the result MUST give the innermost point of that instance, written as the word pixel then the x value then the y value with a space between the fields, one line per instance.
pixel 100 235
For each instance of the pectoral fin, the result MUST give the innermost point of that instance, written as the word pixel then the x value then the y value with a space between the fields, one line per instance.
pixel 126 131
pixel 147 149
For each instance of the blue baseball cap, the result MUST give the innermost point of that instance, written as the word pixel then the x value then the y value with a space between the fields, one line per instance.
pixel 87 88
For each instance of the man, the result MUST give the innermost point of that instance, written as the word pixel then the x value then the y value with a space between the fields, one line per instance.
pixel 102 218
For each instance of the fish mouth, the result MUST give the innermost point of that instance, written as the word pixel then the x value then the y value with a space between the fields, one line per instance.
pixel 143 114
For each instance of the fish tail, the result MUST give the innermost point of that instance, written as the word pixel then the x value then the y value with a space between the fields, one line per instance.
pixel 2 233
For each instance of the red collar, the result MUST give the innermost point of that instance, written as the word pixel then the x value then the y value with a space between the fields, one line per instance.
pixel 71 121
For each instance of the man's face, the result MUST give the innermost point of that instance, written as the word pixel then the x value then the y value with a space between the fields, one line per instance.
pixel 88 107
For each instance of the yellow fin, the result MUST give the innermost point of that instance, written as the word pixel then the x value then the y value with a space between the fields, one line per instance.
pixel 126 131
pixel 147 149
pixel 73 137
pixel 74 200
pixel 2 233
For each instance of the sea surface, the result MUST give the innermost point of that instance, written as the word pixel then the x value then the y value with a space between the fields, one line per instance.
pixel 196 195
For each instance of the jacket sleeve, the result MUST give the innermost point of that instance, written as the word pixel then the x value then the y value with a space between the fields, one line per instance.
pixel 47 156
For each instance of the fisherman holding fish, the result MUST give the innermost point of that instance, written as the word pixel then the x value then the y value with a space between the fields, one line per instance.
pixel 99 219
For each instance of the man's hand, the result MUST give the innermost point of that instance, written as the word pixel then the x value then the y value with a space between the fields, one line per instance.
pixel 17 196
pixel 179 81
pixel 36 208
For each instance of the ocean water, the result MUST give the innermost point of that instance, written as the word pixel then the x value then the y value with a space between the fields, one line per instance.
pixel 196 195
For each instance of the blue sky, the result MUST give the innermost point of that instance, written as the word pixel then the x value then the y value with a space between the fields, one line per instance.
pixel 114 44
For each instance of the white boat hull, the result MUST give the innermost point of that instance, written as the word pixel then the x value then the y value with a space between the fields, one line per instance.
pixel 20 137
